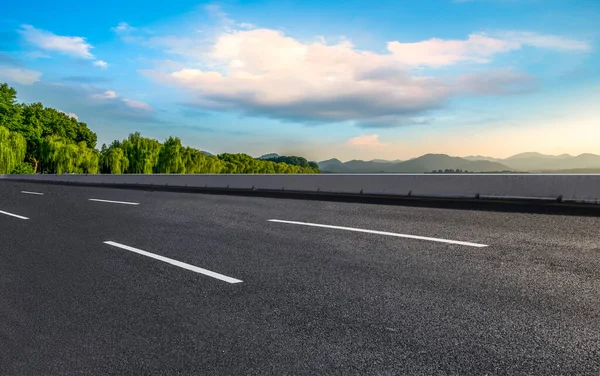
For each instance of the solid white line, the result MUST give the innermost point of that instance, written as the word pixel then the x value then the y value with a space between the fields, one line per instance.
pixel 114 202
pixel 32 193
pixel 13 215
pixel 382 233
pixel 176 263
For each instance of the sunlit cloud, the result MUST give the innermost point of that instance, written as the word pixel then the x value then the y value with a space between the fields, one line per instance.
pixel 264 72
pixel 366 141
pixel 137 104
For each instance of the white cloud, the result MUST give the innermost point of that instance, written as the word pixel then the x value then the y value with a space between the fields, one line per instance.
pixel 267 73
pixel 553 42
pixel 72 46
pixel 122 28
pixel 439 52
pixel 112 95
pixel 19 75
pixel 137 104
pixel 366 141
pixel 108 94
pixel 101 63
pixel 69 114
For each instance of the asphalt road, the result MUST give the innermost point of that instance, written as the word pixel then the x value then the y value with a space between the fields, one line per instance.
pixel 521 295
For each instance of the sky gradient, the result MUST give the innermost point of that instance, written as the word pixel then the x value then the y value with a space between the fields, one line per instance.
pixel 349 79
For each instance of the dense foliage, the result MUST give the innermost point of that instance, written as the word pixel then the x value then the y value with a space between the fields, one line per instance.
pixel 38 139
pixel 12 150
pixel 296 161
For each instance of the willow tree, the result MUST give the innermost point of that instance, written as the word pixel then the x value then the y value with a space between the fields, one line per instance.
pixel 59 155
pixel 170 157
pixel 88 159
pixel 142 153
pixel 196 162
pixel 13 147
pixel 114 160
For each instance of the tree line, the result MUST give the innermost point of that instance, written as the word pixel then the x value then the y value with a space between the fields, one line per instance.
pixel 38 139
pixel 459 171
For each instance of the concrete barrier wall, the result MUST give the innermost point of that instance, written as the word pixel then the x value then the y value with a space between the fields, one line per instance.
pixel 582 188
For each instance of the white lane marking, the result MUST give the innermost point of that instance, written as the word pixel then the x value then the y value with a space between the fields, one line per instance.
pixel 13 215
pixel 32 193
pixel 382 233
pixel 176 263
pixel 114 202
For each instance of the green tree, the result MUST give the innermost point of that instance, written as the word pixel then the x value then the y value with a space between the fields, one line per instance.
pixel 23 168
pixel 142 153
pixel 54 142
pixel 10 111
pixel 170 157
pixel 59 155
pixel 13 147
pixel 114 161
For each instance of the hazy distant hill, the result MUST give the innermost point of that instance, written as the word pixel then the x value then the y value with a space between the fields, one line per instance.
pixel 334 165
pixel 525 162
pixel 483 158
pixel 269 156
pixel 425 163
pixel 385 161
pixel 540 162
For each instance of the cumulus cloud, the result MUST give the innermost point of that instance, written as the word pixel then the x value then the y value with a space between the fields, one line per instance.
pixel 366 141
pixel 264 72
pixel 268 73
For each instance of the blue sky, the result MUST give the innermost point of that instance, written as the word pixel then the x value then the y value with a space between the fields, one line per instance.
pixel 346 79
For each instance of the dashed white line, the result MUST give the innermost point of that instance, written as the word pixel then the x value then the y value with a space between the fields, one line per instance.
pixel 382 233
pixel 176 263
pixel 32 193
pixel 114 202
pixel 13 215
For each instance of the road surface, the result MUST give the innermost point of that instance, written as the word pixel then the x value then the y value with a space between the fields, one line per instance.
pixel 109 281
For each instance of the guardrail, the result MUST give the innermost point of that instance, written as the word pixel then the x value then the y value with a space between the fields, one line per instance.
pixel 583 188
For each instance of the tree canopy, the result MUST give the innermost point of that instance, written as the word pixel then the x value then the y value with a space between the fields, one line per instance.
pixel 38 139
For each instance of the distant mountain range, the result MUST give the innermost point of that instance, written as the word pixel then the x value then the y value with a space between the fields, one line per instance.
pixel 524 162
